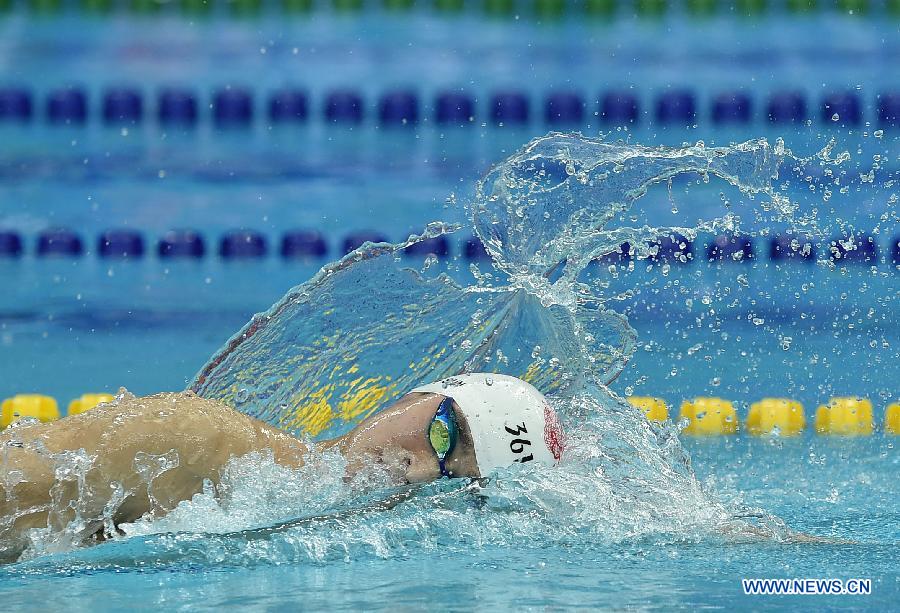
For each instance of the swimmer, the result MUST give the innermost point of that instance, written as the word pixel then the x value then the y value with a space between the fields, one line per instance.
pixel 144 455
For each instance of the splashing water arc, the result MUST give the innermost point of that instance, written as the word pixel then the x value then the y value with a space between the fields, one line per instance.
pixel 365 329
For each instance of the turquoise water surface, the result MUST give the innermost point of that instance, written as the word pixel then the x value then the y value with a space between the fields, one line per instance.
pixel 627 497
pixel 636 516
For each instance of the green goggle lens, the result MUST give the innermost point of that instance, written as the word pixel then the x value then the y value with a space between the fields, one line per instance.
pixel 442 433
pixel 439 435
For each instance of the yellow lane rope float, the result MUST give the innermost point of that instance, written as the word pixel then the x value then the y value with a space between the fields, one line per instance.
pixel 705 416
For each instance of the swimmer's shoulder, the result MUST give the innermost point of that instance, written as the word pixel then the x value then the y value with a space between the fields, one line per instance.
pixel 172 410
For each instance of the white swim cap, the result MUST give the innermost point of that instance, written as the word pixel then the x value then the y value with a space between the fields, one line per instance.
pixel 509 419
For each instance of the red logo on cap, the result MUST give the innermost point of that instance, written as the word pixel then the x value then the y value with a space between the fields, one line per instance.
pixel 554 437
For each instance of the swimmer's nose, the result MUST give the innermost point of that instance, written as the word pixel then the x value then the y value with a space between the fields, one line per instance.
pixel 406 466
pixel 400 465
pixel 422 469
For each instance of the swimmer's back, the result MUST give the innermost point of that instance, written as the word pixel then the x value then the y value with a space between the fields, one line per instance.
pixel 196 428
pixel 143 454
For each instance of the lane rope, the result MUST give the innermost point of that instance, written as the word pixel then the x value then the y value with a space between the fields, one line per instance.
pixel 240 107
pixel 309 244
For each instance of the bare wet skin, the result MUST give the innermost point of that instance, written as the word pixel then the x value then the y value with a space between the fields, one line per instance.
pixel 144 455
pixel 138 455
pixel 121 461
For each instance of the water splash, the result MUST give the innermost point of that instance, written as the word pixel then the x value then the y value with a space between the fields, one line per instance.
pixel 552 203
pixel 366 329
pixel 625 481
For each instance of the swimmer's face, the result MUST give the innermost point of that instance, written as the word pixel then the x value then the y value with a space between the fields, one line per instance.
pixel 397 440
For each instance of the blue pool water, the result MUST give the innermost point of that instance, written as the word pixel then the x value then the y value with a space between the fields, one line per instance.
pixel 741 330
pixel 819 485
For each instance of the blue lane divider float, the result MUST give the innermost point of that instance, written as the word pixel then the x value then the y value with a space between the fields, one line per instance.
pixel 454 108
pixel 473 249
pixel 240 244
pixel 732 107
pixel 676 107
pixel 862 249
pixel 510 108
pixel 356 239
pixel 619 108
pixel 438 246
pixel 120 244
pixel 15 105
pixel 181 244
pixel 67 106
pixel 675 249
pixel 288 105
pixel 176 107
pixel 564 108
pixel 728 248
pixel 59 242
pixel 303 244
pixel 398 109
pixel 841 108
pixel 123 105
pixel 787 108
pixel 787 247
pixel 233 107
pixel 344 107
pixel 298 244
pixel 889 109
pixel 236 107
pixel 10 244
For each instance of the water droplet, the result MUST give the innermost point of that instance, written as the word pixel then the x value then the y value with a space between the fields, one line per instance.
pixel 242 396
pixel 489 380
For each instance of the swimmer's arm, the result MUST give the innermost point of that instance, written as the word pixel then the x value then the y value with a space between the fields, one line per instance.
pixel 743 532
pixel 195 437
pixel 379 505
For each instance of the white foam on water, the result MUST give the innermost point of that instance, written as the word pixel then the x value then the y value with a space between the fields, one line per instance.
pixel 366 329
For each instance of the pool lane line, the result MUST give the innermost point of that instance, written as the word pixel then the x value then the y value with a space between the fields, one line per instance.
pixel 237 107
pixel 702 416
pixel 309 244
pixel 549 11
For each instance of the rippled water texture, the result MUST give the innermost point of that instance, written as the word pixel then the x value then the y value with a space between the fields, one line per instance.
pixel 366 329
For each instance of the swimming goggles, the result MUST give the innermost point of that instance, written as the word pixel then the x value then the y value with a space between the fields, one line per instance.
pixel 443 432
